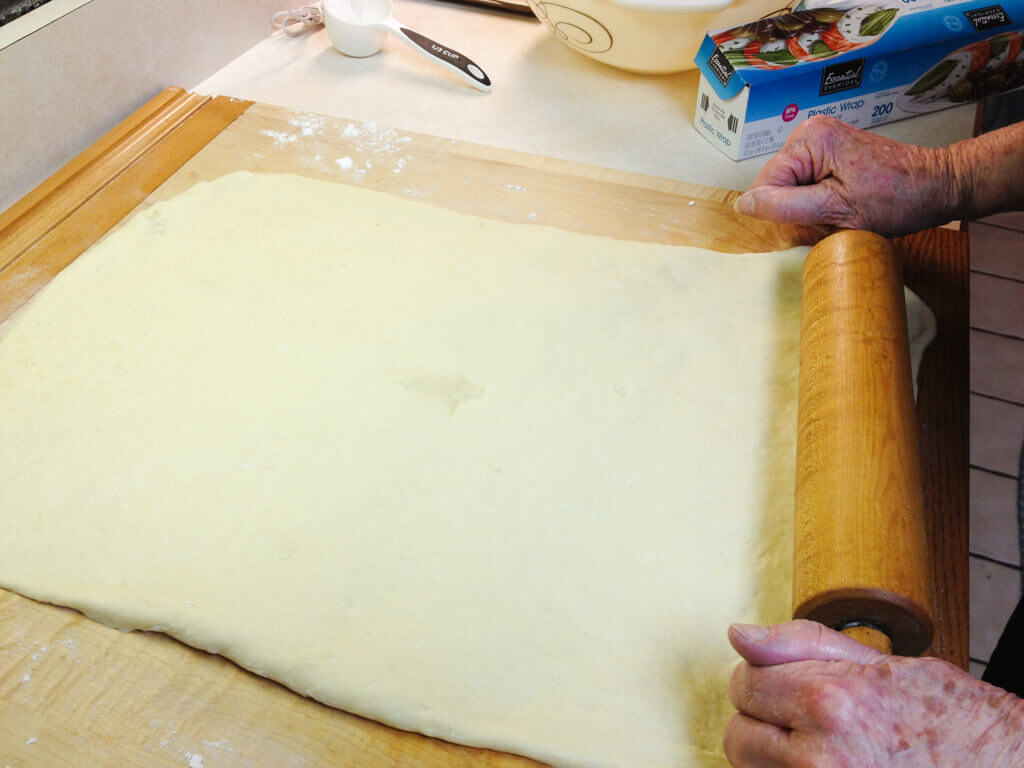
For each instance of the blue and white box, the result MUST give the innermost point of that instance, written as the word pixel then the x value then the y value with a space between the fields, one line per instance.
pixel 866 63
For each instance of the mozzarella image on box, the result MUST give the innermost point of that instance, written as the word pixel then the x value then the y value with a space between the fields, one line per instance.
pixel 864 63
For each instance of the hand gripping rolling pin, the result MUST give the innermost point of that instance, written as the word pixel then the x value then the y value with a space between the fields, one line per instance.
pixel 861 557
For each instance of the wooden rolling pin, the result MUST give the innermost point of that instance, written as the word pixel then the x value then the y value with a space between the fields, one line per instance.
pixel 861 556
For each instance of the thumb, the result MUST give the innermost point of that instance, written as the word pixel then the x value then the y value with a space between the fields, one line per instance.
pixel 799 640
pixel 810 204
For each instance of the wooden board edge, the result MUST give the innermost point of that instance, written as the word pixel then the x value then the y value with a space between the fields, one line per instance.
pixel 97 168
pixel 656 190
pixel 86 198
pixel 104 144
pixel 163 658
pixel 935 265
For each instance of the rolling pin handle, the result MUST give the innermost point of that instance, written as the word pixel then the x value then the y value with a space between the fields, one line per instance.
pixel 869 635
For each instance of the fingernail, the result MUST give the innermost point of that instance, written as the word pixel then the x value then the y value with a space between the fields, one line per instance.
pixel 753 633
pixel 745 204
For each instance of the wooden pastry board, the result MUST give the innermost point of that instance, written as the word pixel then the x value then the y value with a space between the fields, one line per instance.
pixel 73 692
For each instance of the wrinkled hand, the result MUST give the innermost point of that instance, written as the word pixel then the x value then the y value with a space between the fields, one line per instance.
pixel 809 697
pixel 830 173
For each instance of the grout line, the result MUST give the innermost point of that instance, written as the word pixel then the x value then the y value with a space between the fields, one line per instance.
pixel 997 276
pixel 998 226
pixel 997 398
pixel 995 472
pixel 997 333
pixel 993 560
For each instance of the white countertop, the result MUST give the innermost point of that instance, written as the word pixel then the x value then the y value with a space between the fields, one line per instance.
pixel 547 99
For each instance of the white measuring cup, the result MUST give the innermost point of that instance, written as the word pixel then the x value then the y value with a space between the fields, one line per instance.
pixel 358 28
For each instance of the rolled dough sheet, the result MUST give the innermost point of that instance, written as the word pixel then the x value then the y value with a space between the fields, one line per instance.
pixel 498 483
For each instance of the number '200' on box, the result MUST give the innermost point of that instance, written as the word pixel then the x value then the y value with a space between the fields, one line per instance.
pixel 865 63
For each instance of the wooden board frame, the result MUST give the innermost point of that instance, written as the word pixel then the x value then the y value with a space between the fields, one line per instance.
pixel 72 690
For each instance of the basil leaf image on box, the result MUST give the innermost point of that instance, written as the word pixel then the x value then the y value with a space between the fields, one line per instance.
pixel 972 72
pixel 877 23
pixel 806 35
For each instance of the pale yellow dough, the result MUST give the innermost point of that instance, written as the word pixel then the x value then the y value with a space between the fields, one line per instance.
pixel 498 483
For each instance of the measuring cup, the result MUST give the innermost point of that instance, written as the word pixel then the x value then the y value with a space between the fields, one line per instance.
pixel 358 28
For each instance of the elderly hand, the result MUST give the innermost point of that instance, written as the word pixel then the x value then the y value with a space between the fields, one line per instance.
pixel 809 697
pixel 830 173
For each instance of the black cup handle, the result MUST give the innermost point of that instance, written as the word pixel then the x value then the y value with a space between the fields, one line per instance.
pixel 461 65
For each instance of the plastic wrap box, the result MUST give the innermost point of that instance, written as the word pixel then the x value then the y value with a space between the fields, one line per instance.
pixel 865 64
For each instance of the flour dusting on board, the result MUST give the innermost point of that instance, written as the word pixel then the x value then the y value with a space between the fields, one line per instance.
pixel 220 744
pixel 281 138
pixel 370 144
pixel 309 124
pixel 195 760
pixel 384 143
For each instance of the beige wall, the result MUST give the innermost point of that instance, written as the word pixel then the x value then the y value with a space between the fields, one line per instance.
pixel 66 84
